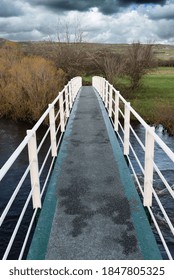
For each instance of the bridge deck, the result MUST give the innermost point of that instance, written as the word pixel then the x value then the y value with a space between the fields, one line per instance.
pixel 92 210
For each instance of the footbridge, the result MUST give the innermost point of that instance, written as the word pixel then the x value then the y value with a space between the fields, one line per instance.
pixel 88 194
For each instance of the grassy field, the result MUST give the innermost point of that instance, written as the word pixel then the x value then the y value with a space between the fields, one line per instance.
pixel 154 101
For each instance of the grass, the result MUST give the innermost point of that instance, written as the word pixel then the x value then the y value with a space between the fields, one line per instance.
pixel 154 101
pixel 156 86
pixel 87 80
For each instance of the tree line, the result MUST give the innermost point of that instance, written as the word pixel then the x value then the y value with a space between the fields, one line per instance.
pixel 85 59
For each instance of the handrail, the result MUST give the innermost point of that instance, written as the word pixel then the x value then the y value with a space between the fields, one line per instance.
pixel 62 104
pixel 58 112
pixel 118 108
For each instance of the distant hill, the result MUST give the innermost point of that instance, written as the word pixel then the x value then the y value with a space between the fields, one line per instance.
pixel 162 52
pixel 2 41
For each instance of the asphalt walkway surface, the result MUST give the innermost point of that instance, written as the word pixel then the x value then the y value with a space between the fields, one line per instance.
pixel 92 218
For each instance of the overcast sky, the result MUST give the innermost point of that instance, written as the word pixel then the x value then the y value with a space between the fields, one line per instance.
pixel 104 21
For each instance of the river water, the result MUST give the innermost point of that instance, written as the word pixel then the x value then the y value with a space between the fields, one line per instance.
pixel 166 166
pixel 11 135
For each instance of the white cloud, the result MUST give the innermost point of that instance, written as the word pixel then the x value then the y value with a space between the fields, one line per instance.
pixel 132 23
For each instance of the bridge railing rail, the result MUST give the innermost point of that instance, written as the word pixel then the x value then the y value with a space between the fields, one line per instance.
pixel 54 118
pixel 144 171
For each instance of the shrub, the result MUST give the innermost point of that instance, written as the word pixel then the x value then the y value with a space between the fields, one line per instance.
pixel 30 84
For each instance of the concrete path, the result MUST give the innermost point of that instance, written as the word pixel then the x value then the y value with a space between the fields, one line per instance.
pixel 98 214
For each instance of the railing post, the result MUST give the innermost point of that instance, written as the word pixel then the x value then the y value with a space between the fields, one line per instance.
pixel 34 170
pixel 70 94
pixel 106 94
pixel 148 169
pixel 62 121
pixel 110 100
pixel 116 117
pixel 100 88
pixel 73 91
pixel 80 82
pixel 97 85
pixel 126 128
pixel 103 89
pixel 52 131
pixel 66 101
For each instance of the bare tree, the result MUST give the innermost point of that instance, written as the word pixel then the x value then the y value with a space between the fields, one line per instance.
pixel 69 33
pixel 113 66
pixel 108 63
pixel 68 48
pixel 139 59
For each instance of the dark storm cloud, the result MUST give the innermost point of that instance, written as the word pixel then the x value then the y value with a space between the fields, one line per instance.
pixel 165 31
pixel 166 12
pixel 105 6
pixel 67 5
pixel 9 9
pixel 124 3
pixel 169 15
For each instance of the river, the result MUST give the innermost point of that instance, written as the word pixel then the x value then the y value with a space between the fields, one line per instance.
pixel 11 135
pixel 167 169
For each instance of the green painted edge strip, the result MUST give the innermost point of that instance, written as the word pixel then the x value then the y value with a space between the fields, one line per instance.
pixel 38 246
pixel 145 236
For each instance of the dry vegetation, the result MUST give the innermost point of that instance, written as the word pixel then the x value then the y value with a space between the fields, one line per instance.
pixel 27 83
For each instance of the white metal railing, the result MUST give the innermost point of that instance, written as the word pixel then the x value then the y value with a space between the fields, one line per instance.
pixel 56 115
pixel 121 112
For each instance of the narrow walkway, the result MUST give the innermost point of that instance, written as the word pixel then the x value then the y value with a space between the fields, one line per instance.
pixel 95 217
